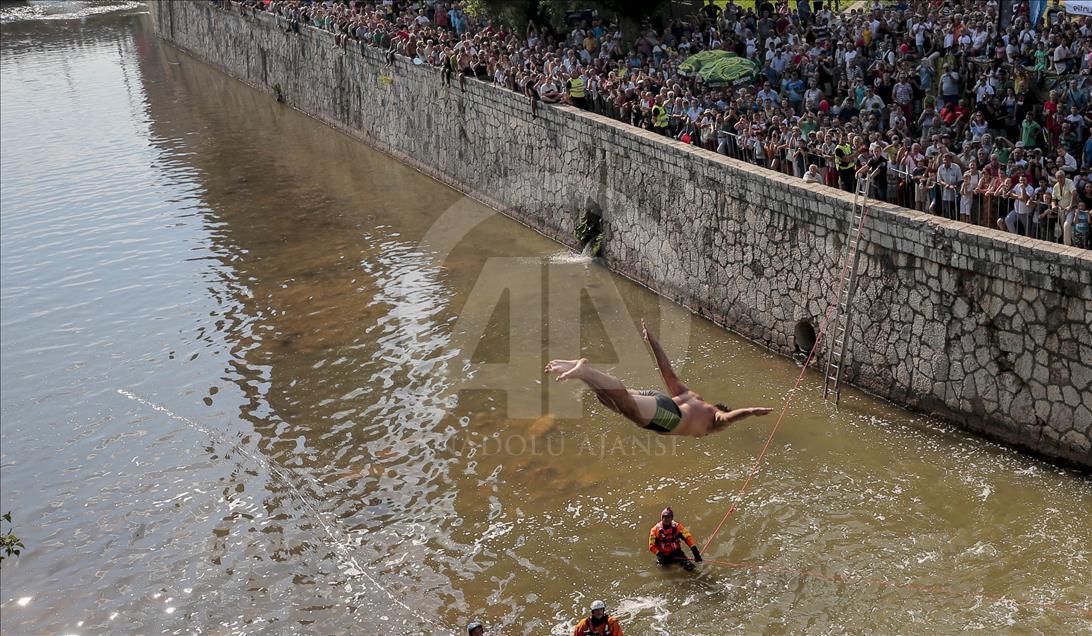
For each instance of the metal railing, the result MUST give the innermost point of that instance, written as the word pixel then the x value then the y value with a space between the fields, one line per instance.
pixel 982 203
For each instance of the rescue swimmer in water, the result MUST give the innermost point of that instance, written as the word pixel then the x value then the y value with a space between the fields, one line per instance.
pixel 664 540
pixel 679 412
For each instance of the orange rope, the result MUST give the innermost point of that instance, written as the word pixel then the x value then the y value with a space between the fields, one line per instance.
pixel 788 396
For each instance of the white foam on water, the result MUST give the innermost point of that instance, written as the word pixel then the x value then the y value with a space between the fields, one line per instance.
pixel 64 10
pixel 564 257
pixel 630 608
pixel 981 549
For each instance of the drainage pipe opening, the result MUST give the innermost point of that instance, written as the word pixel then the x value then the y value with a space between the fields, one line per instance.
pixel 804 336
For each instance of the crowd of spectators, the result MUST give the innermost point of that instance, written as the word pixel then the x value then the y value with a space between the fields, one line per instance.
pixel 945 110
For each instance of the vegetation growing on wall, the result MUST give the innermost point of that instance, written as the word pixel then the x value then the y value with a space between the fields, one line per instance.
pixel 10 544
pixel 589 233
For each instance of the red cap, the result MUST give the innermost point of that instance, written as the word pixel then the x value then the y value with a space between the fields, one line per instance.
pixel 667 512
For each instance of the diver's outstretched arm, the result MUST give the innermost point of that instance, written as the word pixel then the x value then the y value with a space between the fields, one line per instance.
pixel 671 381
pixel 723 420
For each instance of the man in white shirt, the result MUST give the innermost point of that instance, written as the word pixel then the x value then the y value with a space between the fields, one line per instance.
pixel 983 90
pixel 920 29
pixel 1061 57
pixel 949 177
pixel 1068 161
pixel 950 86
pixel 1022 195
pixel 978 39
pixel 1065 195
pixel 781 60
pixel 813 95
pixel 871 101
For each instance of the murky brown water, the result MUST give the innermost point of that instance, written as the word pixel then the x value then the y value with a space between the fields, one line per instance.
pixel 236 347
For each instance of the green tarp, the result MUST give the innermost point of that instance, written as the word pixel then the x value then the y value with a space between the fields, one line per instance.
pixel 719 68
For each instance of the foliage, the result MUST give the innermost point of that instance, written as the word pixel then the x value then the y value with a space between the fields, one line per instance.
pixel 597 246
pixel 590 232
pixel 9 543
pixel 513 14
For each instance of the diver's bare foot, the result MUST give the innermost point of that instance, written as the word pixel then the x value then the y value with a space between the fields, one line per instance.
pixel 566 369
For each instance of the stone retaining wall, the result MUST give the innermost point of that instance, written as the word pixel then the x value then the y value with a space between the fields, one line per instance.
pixel 977 327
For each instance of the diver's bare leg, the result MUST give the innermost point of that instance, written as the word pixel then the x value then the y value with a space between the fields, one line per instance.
pixel 610 390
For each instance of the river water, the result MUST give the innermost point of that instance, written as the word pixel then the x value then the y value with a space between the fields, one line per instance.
pixel 259 378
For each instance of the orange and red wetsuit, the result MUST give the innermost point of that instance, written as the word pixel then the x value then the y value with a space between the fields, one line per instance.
pixel 609 627
pixel 663 541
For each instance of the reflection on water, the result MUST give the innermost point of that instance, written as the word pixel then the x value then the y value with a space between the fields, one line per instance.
pixel 20 10
pixel 234 352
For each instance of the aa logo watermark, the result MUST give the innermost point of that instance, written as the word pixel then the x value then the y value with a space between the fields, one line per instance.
pixel 547 300
pixel 580 445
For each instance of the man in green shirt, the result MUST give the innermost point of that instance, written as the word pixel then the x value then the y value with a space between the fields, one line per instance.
pixel 1029 131
pixel 808 124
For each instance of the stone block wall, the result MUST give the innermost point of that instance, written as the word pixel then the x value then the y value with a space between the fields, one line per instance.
pixel 981 328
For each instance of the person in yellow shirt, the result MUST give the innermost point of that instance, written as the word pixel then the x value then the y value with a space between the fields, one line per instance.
pixel 590 43
pixel 576 90
pixel 599 623
pixel 664 541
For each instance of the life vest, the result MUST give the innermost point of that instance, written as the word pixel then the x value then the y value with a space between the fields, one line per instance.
pixel 576 87
pixel 659 116
pixel 607 628
pixel 667 539
pixel 843 164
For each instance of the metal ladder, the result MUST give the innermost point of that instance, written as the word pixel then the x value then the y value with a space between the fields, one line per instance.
pixel 836 356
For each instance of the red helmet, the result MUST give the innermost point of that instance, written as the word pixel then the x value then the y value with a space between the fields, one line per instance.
pixel 667 512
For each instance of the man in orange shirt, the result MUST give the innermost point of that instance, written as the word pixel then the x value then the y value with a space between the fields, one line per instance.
pixel 599 623
pixel 664 539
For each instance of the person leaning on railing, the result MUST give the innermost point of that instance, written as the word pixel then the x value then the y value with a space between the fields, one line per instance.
pixel 1018 220
pixel 971 179
pixel 998 193
pixel 1048 214
pixel 845 161
pixel 812 175
pixel 1082 234
pixel 1064 193
pixel 949 180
